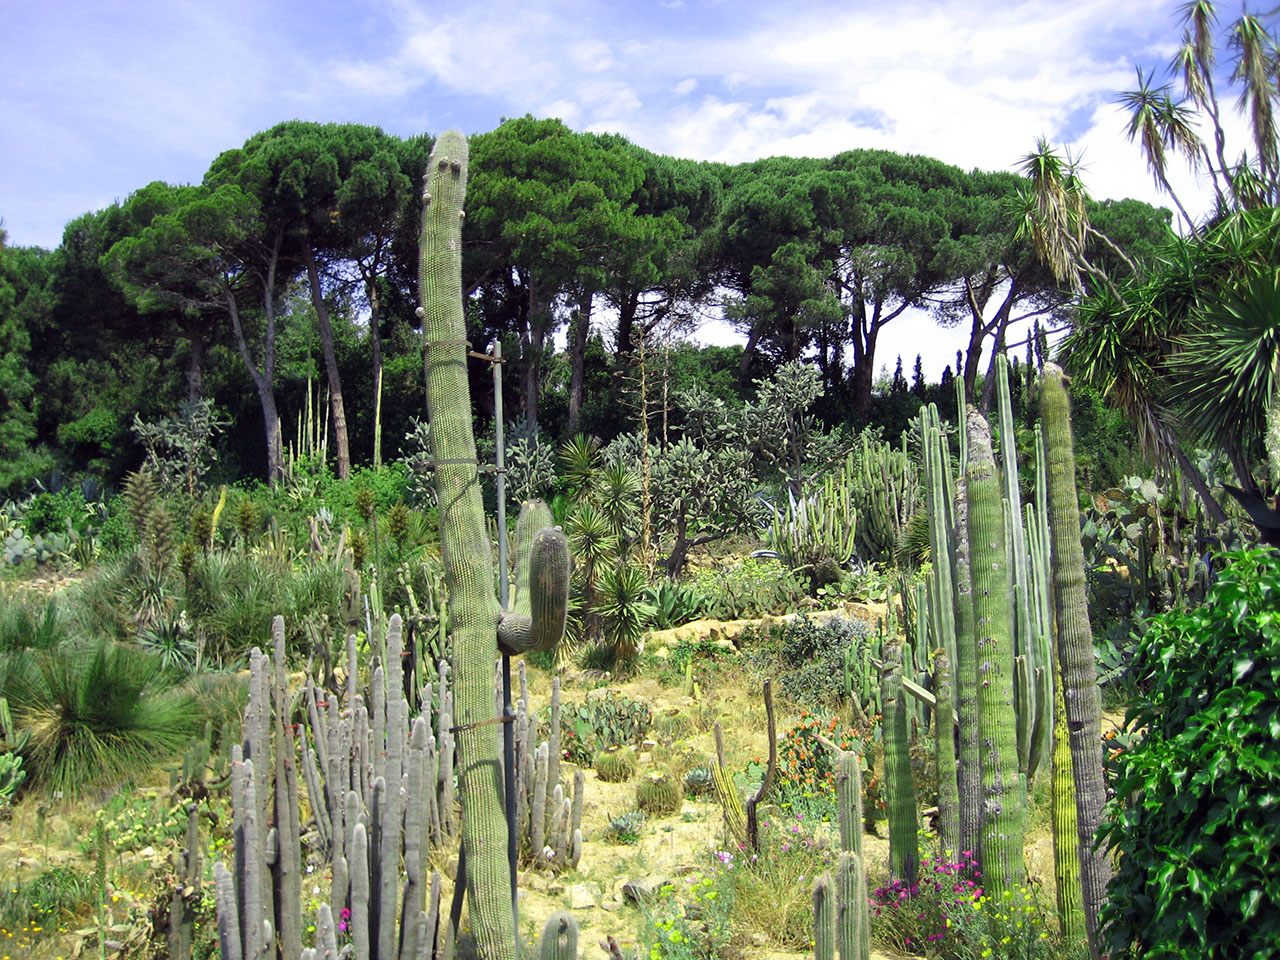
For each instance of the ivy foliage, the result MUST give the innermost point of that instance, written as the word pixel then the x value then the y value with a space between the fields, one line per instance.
pixel 1198 795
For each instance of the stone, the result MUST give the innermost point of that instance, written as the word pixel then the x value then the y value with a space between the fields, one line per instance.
pixel 583 896
pixel 642 889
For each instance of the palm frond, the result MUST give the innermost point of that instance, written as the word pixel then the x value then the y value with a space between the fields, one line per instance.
pixel 1224 380
pixel 1255 71
pixel 1187 64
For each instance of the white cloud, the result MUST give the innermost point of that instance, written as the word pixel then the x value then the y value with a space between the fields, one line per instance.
pixel 972 82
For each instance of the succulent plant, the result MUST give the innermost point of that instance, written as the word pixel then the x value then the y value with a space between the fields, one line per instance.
pixel 698 782
pixel 659 794
pixel 625 828
pixel 610 721
pixel 615 765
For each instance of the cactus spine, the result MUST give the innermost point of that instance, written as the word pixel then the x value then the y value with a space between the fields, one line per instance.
pixel 1082 705
pixel 474 611
pixel 1002 828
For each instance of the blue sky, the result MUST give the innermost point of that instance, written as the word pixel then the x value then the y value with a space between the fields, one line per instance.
pixel 100 98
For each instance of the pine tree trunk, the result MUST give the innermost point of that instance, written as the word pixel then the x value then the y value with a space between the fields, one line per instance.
pixel 330 364
pixel 195 366
pixel 375 342
pixel 578 359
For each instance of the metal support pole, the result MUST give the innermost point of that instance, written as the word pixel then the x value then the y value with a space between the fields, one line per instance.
pixel 508 731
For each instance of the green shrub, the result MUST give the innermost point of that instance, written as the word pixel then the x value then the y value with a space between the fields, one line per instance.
pixel 749 590
pixel 97 713
pixel 32 624
pixel 809 657
pixel 1194 820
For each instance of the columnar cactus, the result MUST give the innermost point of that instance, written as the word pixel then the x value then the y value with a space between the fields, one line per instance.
pixel 951 616
pixel 559 938
pixel 1003 807
pixel 474 611
pixel 824 918
pixel 1082 705
pixel 1066 857
pixel 904 841
pixel 945 746
pixel 1026 544
pixel 841 921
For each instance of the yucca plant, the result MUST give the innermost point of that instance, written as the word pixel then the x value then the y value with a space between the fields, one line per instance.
pixel 578 459
pixel 624 608
pixel 171 640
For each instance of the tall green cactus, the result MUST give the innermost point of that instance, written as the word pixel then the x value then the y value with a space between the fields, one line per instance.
pixel 1082 704
pixel 1029 608
pixel 904 825
pixel 945 746
pixel 1003 806
pixel 841 921
pixel 951 620
pixel 824 919
pixel 1066 857
pixel 474 611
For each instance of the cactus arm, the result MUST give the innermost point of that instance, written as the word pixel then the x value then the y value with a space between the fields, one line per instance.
pixel 542 597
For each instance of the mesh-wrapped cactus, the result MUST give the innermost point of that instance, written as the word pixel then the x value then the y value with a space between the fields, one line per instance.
pixel 537 618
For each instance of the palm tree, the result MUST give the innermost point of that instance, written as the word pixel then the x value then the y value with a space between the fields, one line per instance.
pixel 1160 124
pixel 1227 373
pixel 1050 211
pixel 1163 125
